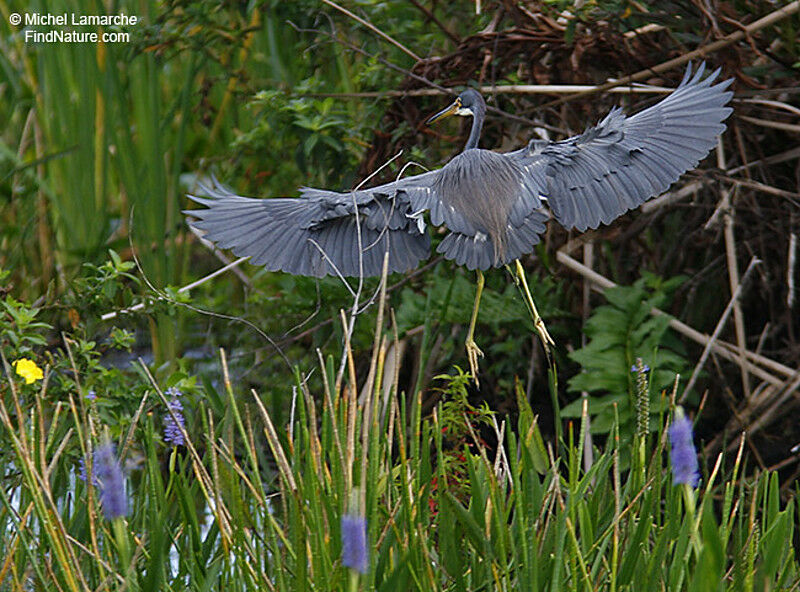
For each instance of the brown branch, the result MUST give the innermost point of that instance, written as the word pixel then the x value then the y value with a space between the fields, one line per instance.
pixel 410 74
pixel 384 61
pixel 700 52
pixel 718 329
pixel 519 89
pixel 429 14
pixel 374 29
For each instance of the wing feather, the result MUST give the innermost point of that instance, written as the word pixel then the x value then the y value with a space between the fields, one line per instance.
pixel 623 161
pixel 286 234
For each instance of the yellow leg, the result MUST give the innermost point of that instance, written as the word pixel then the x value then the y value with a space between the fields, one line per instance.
pixel 473 351
pixel 538 323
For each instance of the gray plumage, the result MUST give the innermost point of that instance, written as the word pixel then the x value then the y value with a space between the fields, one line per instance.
pixel 490 202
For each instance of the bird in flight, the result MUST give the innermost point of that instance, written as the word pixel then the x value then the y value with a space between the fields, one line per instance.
pixel 494 205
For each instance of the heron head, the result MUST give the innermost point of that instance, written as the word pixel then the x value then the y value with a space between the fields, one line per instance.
pixel 467 104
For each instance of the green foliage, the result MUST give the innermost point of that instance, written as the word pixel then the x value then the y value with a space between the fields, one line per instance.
pixel 20 332
pixel 320 134
pixel 619 333
pixel 104 286
pixel 247 490
pixel 460 423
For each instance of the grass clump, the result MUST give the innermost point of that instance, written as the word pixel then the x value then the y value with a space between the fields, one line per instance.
pixel 357 490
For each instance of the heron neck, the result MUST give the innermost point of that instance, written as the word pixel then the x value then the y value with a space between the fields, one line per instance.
pixel 477 124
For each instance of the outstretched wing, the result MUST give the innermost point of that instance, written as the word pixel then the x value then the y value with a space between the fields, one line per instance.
pixel 623 161
pixel 321 233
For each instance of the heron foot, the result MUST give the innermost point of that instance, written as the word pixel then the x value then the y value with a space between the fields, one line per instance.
pixel 544 335
pixel 473 353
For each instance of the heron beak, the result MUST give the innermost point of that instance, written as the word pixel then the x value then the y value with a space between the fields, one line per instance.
pixel 446 112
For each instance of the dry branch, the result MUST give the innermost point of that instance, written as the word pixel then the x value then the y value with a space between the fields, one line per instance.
pixel 700 52
pixel 719 347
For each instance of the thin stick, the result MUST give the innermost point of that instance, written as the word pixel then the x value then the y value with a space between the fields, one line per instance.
pixel 337 441
pixel 673 196
pixel 352 404
pixel 718 329
pixel 374 29
pixel 348 327
pixel 787 127
pixel 220 255
pixel 774 159
pixel 726 206
pixel 588 444
pixel 776 104
pixel 790 265
pixel 518 89
pixel 700 52
pixel 275 444
pixel 378 330
pixel 779 403
pixel 694 186
pixel 429 14
pixel 186 288
pixel 758 186
pixel 410 74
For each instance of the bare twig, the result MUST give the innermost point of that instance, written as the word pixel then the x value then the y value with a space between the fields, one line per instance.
pixel 718 329
pixel 186 288
pixel 443 90
pixel 519 89
pixel 382 60
pixel 771 103
pixel 769 160
pixel 429 14
pixel 673 196
pixel 790 195
pixel 166 298
pixel 791 263
pixel 764 361
pixel 275 444
pixel 649 28
pixel 357 294
pixel 700 52
pixel 220 255
pixel 726 206
pixel 588 445
pixel 374 29
pixel 691 188
pixel 779 125
pixel 776 396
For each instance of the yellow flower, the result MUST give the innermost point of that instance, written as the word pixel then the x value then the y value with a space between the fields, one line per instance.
pixel 28 370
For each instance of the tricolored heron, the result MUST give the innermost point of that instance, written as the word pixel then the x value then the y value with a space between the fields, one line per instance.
pixel 492 203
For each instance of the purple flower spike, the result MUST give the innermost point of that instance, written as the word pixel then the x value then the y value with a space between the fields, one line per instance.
pixel 173 392
pixel 683 454
pixel 82 473
pixel 354 543
pixel 112 482
pixel 172 428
